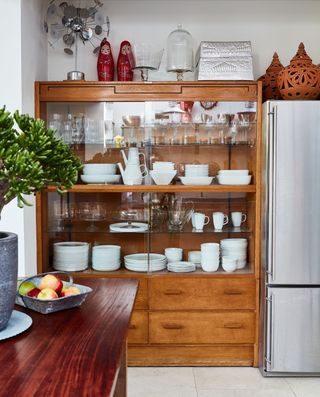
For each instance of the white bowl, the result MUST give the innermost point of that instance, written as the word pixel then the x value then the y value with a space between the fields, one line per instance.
pixel 96 179
pixel 196 180
pixel 162 178
pixel 99 169
pixel 234 179
pixel 233 172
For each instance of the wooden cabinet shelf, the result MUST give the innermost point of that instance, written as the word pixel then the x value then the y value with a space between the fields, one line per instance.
pixel 195 318
pixel 158 188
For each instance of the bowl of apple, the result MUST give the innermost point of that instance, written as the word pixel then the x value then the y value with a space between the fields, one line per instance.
pixel 48 293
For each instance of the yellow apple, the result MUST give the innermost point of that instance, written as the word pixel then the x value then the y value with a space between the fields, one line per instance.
pixel 47 294
pixel 68 291
pixel 51 281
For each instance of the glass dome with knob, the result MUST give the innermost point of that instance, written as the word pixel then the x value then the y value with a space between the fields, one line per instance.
pixel 180 52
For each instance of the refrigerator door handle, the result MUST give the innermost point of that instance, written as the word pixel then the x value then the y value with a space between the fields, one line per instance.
pixel 272 177
pixel 270 322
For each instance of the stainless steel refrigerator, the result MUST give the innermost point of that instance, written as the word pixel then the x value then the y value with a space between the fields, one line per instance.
pixel 290 293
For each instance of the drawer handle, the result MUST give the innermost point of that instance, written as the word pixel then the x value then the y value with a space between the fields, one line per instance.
pixel 132 326
pixel 233 326
pixel 173 292
pixel 172 326
pixel 232 292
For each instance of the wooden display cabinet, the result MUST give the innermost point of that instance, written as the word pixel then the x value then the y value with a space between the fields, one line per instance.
pixel 195 318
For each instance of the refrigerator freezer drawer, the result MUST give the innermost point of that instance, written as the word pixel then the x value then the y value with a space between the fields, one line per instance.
pixel 292 337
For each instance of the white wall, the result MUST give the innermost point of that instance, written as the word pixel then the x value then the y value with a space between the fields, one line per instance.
pixel 34 67
pixel 22 54
pixel 271 25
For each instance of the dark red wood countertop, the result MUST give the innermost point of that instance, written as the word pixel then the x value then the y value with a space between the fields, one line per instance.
pixel 72 353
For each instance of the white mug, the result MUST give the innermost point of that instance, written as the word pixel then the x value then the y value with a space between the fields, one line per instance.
pixel 199 220
pixel 219 220
pixel 238 218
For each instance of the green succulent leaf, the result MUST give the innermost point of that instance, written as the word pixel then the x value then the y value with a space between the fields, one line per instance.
pixel 31 158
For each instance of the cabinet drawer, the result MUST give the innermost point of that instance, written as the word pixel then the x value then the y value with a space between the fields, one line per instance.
pixel 204 327
pixel 138 328
pixel 142 295
pixel 198 293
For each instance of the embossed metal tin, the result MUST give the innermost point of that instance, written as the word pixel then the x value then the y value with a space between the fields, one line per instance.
pixel 225 68
pixel 213 49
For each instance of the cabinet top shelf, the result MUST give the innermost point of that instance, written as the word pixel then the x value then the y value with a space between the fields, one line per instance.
pixel 158 188
pixel 97 91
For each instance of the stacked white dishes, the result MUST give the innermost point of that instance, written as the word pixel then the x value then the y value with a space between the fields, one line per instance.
pixel 100 173
pixel 70 256
pixel 163 172
pixel 234 177
pixel 181 267
pixel 195 257
pixel 196 174
pixel 235 248
pixel 210 255
pixel 106 257
pixel 139 262
pixel 173 254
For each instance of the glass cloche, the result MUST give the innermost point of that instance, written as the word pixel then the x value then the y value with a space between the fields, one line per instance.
pixel 180 52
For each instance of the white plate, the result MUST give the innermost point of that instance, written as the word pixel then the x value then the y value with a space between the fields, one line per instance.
pixel 18 323
pixel 100 179
pixel 196 180
pixel 125 227
pixel 144 257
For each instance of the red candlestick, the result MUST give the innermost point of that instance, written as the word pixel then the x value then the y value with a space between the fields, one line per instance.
pixel 105 64
pixel 125 62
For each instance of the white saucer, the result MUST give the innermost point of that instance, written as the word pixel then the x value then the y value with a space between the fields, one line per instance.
pixel 18 323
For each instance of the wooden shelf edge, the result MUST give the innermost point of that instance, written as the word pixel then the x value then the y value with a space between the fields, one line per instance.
pixel 158 188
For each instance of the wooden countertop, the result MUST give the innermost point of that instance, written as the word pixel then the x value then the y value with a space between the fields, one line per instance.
pixel 72 353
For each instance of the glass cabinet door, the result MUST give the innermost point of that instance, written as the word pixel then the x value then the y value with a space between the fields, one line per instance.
pixel 149 167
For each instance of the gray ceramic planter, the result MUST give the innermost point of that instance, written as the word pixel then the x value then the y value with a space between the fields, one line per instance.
pixel 8 275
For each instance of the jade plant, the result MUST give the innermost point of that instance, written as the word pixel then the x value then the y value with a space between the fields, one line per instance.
pixel 31 158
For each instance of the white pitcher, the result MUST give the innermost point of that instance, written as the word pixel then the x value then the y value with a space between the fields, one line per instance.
pixel 133 174
pixel 133 156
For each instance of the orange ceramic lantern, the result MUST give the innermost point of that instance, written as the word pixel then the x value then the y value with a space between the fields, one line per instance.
pixel 270 88
pixel 300 79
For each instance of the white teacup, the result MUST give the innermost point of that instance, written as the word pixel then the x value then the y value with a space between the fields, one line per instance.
pixel 219 220
pixel 199 220
pixel 238 218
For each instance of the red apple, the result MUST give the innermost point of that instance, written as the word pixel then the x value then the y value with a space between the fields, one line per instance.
pixel 33 293
pixel 68 291
pixel 47 294
pixel 51 281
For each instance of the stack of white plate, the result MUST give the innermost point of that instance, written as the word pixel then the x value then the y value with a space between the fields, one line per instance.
pixel 235 248
pixel 106 257
pixel 181 267
pixel 234 177
pixel 100 173
pixel 144 262
pixel 70 256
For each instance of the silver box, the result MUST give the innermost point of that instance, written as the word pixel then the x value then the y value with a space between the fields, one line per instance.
pixel 225 68
pixel 213 49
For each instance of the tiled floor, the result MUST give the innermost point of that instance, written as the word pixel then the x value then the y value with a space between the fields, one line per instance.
pixel 215 382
